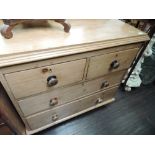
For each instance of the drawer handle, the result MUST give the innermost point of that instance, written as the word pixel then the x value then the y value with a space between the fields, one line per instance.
pixel 52 80
pixel 54 101
pixel 99 100
pixel 115 64
pixel 104 84
pixel 55 117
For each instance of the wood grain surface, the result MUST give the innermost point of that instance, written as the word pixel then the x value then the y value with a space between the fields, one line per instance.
pixel 85 35
pixel 29 82
pixel 40 102
pixel 66 111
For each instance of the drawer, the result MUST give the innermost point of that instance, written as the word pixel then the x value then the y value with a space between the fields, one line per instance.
pixel 33 81
pixel 60 96
pixel 104 64
pixel 68 110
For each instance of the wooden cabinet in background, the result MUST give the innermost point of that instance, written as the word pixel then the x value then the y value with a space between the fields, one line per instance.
pixel 10 121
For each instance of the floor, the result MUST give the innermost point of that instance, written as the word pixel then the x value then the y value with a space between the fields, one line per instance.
pixel 132 113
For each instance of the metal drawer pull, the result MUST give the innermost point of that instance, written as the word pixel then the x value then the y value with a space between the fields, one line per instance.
pixel 104 84
pixel 55 117
pixel 99 100
pixel 54 101
pixel 115 64
pixel 52 80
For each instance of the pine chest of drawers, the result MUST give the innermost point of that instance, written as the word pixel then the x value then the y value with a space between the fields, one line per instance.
pixel 51 76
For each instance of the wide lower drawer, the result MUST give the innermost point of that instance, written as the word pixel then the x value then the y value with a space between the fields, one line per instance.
pixel 68 110
pixel 33 81
pixel 60 96
pixel 107 63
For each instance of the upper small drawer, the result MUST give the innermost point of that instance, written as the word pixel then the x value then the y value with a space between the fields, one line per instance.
pixel 104 64
pixel 29 82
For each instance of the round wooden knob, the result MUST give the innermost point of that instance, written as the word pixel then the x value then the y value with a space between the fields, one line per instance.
pixel 104 84
pixel 52 80
pixel 55 117
pixel 54 101
pixel 115 64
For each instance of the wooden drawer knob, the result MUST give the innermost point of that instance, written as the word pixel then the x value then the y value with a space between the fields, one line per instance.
pixel 104 84
pixel 52 80
pixel 99 100
pixel 55 117
pixel 115 64
pixel 54 101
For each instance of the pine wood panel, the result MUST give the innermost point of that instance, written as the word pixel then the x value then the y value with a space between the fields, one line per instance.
pixel 101 65
pixel 52 61
pixel 42 102
pixel 33 81
pixel 45 118
pixel 35 44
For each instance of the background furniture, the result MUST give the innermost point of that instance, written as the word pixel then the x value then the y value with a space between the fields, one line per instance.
pixel 10 122
pixel 148 66
pixel 148 26
pixel 54 76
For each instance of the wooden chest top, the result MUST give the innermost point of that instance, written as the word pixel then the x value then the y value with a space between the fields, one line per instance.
pixel 34 44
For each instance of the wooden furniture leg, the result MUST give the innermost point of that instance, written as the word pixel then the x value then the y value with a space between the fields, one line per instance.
pixel 63 22
pixel 9 24
pixel 6 31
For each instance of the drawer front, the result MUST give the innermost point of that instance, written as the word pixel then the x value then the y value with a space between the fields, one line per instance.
pixel 60 96
pixel 104 64
pixel 61 112
pixel 33 81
